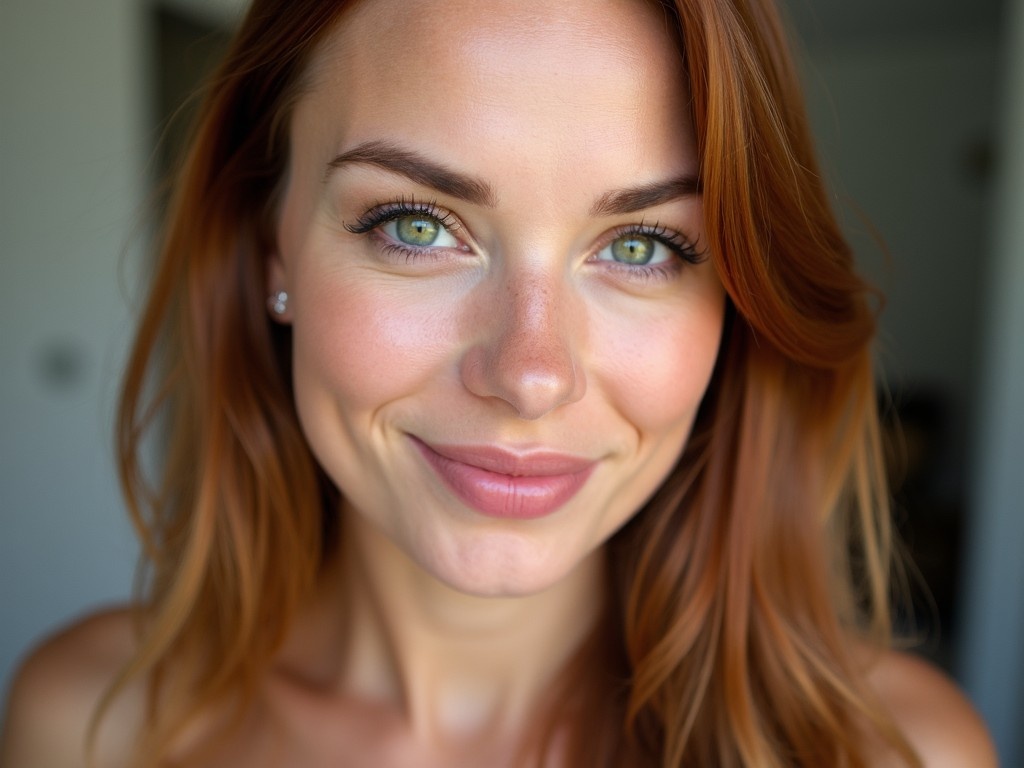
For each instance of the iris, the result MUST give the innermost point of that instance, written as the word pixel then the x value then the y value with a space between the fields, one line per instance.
pixel 417 230
pixel 634 249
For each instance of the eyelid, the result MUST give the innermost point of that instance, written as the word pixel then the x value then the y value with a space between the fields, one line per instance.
pixel 681 245
pixel 381 213
pixel 378 222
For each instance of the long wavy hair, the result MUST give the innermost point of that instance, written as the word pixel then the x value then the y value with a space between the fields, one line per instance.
pixel 742 595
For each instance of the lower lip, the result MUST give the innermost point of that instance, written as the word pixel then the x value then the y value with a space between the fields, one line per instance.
pixel 511 497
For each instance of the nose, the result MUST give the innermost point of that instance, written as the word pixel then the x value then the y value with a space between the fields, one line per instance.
pixel 527 355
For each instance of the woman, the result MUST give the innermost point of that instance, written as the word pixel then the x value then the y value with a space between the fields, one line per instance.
pixel 518 408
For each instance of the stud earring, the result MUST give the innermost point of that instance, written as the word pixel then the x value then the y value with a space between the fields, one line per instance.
pixel 277 302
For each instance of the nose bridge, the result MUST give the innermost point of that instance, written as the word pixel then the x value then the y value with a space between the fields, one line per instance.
pixel 531 310
pixel 529 356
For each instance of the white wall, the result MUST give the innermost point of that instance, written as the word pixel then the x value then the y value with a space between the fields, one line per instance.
pixel 76 147
pixel 73 149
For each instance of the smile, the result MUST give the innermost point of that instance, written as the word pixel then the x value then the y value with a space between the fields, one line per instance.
pixel 498 483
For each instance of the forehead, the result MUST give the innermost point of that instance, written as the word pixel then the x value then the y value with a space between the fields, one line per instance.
pixel 489 33
pixel 535 75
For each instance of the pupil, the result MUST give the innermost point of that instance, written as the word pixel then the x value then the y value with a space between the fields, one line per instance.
pixel 634 249
pixel 417 230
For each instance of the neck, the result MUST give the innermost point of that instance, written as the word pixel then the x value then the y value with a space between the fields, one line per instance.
pixel 459 667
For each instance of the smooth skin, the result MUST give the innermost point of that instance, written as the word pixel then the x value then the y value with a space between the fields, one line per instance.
pixel 505 288
pixel 522 331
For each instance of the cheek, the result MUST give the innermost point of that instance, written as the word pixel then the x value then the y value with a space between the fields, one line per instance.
pixel 366 342
pixel 658 372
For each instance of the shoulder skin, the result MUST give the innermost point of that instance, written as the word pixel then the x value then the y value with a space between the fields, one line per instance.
pixel 60 684
pixel 934 715
pixel 57 689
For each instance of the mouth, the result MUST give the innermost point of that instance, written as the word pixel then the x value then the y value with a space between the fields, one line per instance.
pixel 502 484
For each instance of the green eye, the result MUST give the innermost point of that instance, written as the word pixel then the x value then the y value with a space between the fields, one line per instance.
pixel 417 230
pixel 633 249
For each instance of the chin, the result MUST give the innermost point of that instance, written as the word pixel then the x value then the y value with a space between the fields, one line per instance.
pixel 504 565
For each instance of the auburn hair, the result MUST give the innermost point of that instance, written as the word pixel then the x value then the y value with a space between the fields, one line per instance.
pixel 745 592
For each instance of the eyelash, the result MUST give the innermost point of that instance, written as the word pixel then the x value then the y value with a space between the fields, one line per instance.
pixel 379 215
pixel 674 241
pixel 382 214
pixel 685 252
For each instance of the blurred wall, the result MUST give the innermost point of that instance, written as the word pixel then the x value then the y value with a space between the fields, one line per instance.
pixel 73 149
pixel 923 139
pixel 76 154
pixel 905 129
pixel 992 656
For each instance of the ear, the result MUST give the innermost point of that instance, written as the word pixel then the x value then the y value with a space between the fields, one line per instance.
pixel 277 290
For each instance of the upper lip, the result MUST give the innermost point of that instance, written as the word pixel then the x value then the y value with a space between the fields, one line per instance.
pixel 493 458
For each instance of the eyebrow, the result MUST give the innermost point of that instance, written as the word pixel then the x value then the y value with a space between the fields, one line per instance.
pixel 418 168
pixel 414 166
pixel 632 199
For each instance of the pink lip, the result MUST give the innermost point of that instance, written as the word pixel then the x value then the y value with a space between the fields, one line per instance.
pixel 499 483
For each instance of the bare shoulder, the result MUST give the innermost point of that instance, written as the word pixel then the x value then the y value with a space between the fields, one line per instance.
pixel 934 715
pixel 57 689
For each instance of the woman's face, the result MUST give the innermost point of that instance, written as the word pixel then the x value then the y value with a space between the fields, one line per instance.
pixel 504 316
